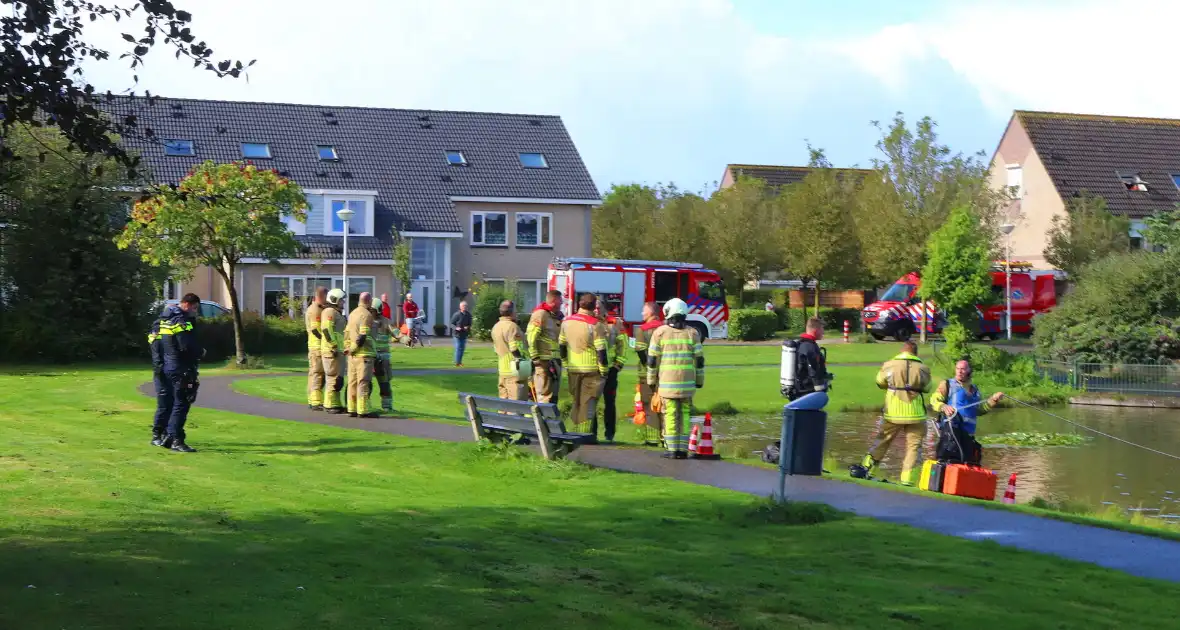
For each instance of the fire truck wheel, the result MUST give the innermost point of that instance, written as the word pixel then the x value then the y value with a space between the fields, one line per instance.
pixel 904 333
pixel 701 330
pixel 878 337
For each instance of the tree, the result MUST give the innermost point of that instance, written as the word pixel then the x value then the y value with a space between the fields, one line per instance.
pixel 401 269
pixel 1163 229
pixel 740 223
pixel 42 43
pixel 623 224
pixel 1086 233
pixel 68 292
pixel 957 274
pixel 818 238
pixel 219 214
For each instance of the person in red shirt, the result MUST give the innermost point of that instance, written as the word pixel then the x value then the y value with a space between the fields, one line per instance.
pixel 386 310
pixel 409 307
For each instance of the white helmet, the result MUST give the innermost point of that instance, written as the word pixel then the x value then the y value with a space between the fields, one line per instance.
pixel 524 369
pixel 674 307
pixel 335 295
pixel 377 304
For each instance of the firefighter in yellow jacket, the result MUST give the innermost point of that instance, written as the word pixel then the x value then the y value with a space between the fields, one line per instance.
pixel 509 344
pixel 676 365
pixel 906 380
pixel 616 358
pixel 653 426
pixel 362 353
pixel 332 350
pixel 315 363
pixel 541 334
pixel 382 341
pixel 582 347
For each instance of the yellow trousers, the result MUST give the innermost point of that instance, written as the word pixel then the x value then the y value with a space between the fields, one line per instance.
pixel 315 378
pixel 886 432
pixel 360 383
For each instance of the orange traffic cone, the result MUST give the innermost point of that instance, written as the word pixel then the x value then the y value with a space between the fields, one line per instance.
pixel 1010 493
pixel 640 415
pixel 704 450
pixel 693 439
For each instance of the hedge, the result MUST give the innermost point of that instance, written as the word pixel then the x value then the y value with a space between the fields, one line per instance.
pixel 752 324
pixel 794 319
pixel 272 335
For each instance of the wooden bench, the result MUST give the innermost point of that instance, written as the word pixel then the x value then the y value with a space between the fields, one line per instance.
pixel 496 419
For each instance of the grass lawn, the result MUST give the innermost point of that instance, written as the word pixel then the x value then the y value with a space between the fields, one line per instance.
pixel 287 525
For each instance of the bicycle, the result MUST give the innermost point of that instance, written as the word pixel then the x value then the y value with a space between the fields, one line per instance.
pixel 418 333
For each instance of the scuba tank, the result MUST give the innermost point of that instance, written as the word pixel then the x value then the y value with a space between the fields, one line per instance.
pixel 786 376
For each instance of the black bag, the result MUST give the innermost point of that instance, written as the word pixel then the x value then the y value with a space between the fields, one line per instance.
pixel 956 446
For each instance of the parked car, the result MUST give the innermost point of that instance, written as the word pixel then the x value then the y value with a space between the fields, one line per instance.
pixel 208 309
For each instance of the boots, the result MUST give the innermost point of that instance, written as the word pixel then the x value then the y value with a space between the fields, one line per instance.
pixel 371 414
pixel 387 403
pixel 316 407
pixel 157 438
pixel 179 446
pixel 334 410
pixel 675 455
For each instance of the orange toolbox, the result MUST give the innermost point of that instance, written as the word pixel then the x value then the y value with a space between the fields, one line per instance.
pixel 969 481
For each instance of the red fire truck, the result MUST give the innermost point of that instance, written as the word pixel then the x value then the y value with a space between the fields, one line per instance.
pixel 624 285
pixel 898 313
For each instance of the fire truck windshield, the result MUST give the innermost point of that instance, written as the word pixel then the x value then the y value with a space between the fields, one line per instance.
pixel 898 293
pixel 712 290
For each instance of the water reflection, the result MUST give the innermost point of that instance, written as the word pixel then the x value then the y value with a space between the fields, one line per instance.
pixel 1100 472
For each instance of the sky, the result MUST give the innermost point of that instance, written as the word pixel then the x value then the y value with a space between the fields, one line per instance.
pixel 661 91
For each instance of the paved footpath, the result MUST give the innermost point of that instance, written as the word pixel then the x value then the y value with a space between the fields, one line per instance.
pixel 1144 556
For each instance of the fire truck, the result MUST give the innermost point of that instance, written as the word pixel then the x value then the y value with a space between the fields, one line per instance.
pixel 624 285
pixel 898 313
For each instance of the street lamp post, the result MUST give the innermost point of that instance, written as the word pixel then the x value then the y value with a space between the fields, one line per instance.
pixel 345 215
pixel 1007 230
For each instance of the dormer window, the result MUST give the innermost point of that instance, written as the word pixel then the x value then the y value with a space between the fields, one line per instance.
pixel 327 152
pixel 256 150
pixel 1133 182
pixel 455 158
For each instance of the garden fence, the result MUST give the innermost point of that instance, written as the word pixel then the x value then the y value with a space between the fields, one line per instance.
pixel 1114 378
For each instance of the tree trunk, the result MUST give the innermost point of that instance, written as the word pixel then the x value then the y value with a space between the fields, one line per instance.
pixel 816 298
pixel 227 274
pixel 922 332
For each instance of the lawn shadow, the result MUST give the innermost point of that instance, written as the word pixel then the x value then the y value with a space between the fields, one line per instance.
pixel 264 450
pixel 309 443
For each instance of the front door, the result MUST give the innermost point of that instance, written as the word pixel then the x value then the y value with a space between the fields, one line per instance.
pixel 424 296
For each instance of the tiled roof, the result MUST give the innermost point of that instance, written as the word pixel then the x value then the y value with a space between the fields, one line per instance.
pixel 359 247
pixel 778 176
pixel 398 152
pixel 1088 153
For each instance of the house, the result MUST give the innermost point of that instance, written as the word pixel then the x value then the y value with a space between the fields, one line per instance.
pixel 478 195
pixel 1046 158
pixel 778 176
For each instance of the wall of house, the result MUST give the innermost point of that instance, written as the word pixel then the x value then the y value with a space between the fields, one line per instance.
pixel 571 237
pixel 251 287
pixel 1033 212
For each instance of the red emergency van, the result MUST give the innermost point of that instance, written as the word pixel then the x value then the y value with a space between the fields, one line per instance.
pixel 624 285
pixel 898 313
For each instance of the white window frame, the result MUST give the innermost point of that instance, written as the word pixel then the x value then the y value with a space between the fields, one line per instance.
pixel 331 214
pixel 539 294
pixel 1018 170
pixel 336 281
pixel 540 232
pixel 483 214
pixel 269 155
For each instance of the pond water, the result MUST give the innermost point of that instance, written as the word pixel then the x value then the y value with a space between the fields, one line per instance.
pixel 1098 473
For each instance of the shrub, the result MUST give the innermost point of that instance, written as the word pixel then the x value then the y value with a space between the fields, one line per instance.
pixel 486 312
pixel 752 324
pixel 261 336
pixel 794 319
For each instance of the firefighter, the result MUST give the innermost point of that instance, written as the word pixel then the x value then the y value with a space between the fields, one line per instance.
pixel 582 348
pixel 811 366
pixel 361 352
pixel 906 380
pixel 331 346
pixel 382 369
pixel 315 363
pixel 177 351
pixel 616 357
pixel 676 365
pixel 509 344
pixel 542 333
pixel 653 428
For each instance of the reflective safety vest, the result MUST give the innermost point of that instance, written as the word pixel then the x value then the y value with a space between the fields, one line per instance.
pixel 506 338
pixel 676 352
pixel 542 334
pixel 643 335
pixel 381 335
pixel 360 324
pixel 331 330
pixel 584 337
pixel 906 380
pixel 311 321
pixel 616 344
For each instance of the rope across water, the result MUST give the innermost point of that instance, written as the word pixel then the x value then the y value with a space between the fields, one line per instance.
pixel 1082 426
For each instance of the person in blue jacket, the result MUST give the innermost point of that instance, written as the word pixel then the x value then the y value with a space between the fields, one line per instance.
pixel 959 399
pixel 176 355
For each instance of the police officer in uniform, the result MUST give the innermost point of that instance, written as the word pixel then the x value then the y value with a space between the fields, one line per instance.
pixel 176 354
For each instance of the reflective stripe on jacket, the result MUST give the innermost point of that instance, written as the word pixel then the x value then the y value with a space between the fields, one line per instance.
pixel 311 321
pixel 673 356
pixel 506 338
pixel 643 335
pixel 542 334
pixel 616 344
pixel 382 335
pixel 360 324
pixel 584 337
pixel 331 330
pixel 906 380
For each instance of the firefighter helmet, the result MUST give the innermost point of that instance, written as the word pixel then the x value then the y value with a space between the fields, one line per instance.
pixel 335 295
pixel 377 304
pixel 674 307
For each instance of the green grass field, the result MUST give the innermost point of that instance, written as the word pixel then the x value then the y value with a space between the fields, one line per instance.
pixel 287 525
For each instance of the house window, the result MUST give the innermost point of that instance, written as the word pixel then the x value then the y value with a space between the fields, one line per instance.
pixel 1133 183
pixel 534 229
pixel 533 160
pixel 178 147
pixel 1016 181
pixel 426 258
pixel 1176 179
pixel 256 150
pixel 359 224
pixel 276 296
pixel 327 152
pixel 455 158
pixel 287 296
pixel 489 228
pixel 171 289
pixel 297 227
pixel 356 286
pixel 1136 242
pixel 528 293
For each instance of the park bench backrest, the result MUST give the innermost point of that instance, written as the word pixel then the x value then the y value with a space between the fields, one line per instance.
pixel 523 416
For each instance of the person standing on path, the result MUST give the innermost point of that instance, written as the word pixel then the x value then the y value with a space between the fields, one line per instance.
pixel 315 363
pixel 331 350
pixel 541 334
pixel 676 362
pixel 616 358
pixel 362 353
pixel 382 341
pixel 178 351
pixel 460 328
pixel 509 344
pixel 653 427
pixel 582 348
pixel 905 380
